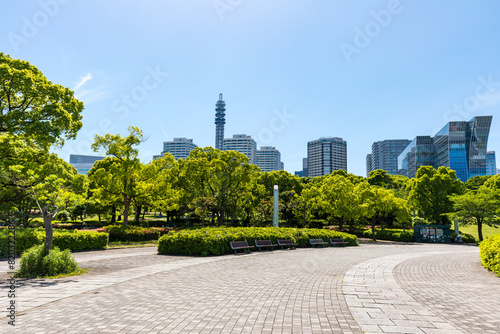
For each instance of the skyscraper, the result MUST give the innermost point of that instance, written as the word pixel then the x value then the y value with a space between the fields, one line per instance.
pixel 326 155
pixel 268 158
pixel 385 155
pixel 458 145
pixel 491 164
pixel 243 144
pixel 220 109
pixel 179 147
pixel 83 163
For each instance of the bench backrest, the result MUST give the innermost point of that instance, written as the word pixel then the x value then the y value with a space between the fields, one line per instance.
pixel 316 241
pixel 263 243
pixel 239 244
pixel 337 240
pixel 285 242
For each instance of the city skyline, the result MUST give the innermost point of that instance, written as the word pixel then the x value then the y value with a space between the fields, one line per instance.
pixel 290 71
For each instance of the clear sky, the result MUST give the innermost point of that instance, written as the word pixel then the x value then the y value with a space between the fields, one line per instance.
pixel 291 71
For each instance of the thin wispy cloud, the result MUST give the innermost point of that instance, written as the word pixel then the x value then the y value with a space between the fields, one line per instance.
pixel 82 81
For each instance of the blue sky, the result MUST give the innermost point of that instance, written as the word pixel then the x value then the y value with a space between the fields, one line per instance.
pixel 290 71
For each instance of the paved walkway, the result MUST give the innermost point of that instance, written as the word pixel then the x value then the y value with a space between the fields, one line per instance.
pixel 375 288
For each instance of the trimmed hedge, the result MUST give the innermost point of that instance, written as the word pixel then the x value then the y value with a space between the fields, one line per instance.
pixel 72 240
pixel 489 252
pixel 387 234
pixel 215 240
pixel 133 233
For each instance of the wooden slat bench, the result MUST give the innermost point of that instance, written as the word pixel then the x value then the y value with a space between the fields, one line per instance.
pixel 315 242
pixel 264 243
pixel 286 242
pixel 235 245
pixel 338 242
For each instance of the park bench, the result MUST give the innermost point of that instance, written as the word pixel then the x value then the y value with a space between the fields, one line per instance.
pixel 235 245
pixel 264 243
pixel 315 242
pixel 286 242
pixel 338 242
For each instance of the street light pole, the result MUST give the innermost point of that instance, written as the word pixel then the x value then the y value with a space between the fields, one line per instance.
pixel 276 207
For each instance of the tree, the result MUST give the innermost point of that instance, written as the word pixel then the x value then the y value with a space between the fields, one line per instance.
pixel 122 166
pixel 396 183
pixel 33 108
pixel 54 186
pixel 429 191
pixel 378 204
pixel 337 198
pixel 476 181
pixel 477 207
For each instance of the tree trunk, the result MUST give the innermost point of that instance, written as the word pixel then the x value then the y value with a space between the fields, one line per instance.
pixel 480 229
pixel 373 230
pixel 49 232
pixel 138 209
pixel 113 214
pixel 126 203
pixel 144 213
pixel 99 217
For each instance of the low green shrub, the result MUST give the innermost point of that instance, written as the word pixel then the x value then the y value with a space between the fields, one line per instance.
pixel 133 233
pixel 466 238
pixel 215 240
pixel 489 252
pixel 386 234
pixel 73 240
pixel 37 262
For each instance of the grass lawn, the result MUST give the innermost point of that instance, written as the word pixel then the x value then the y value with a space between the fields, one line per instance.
pixel 131 244
pixel 472 229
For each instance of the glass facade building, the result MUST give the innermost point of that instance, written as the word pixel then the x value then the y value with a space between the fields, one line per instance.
pixel 458 145
pixel 491 163
pixel 385 155
pixel 83 163
pixel 268 158
pixel 179 148
pixel 326 155
pixel 243 144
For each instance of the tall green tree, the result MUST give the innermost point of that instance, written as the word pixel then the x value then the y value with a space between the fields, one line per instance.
pixel 476 181
pixel 33 108
pixel 478 208
pixel 123 167
pixel 429 192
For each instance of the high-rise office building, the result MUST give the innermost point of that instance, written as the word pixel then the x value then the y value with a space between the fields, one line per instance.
pixel 385 155
pixel 243 144
pixel 305 170
pixel 220 113
pixel 491 163
pixel 179 148
pixel 326 155
pixel 458 145
pixel 268 158
pixel 83 163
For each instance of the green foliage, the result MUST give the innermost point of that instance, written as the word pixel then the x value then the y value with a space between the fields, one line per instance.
pixel 132 233
pixel 63 216
pixel 38 262
pixel 489 252
pixel 387 234
pixel 215 241
pixel 72 240
pixel 430 190
pixel 32 107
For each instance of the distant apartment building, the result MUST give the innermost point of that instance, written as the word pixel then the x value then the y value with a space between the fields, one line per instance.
pixel 179 148
pixel 243 144
pixel 325 155
pixel 83 163
pixel 268 158
pixel 459 145
pixel 491 164
pixel 385 155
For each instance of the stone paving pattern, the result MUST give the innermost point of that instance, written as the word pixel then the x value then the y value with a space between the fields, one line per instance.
pixel 376 288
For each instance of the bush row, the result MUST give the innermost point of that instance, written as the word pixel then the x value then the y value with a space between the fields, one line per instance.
pixel 72 240
pixel 215 240
pixel 133 233
pixel 402 235
pixel 489 252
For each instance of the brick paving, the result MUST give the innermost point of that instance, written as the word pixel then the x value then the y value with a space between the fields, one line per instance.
pixel 386 288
